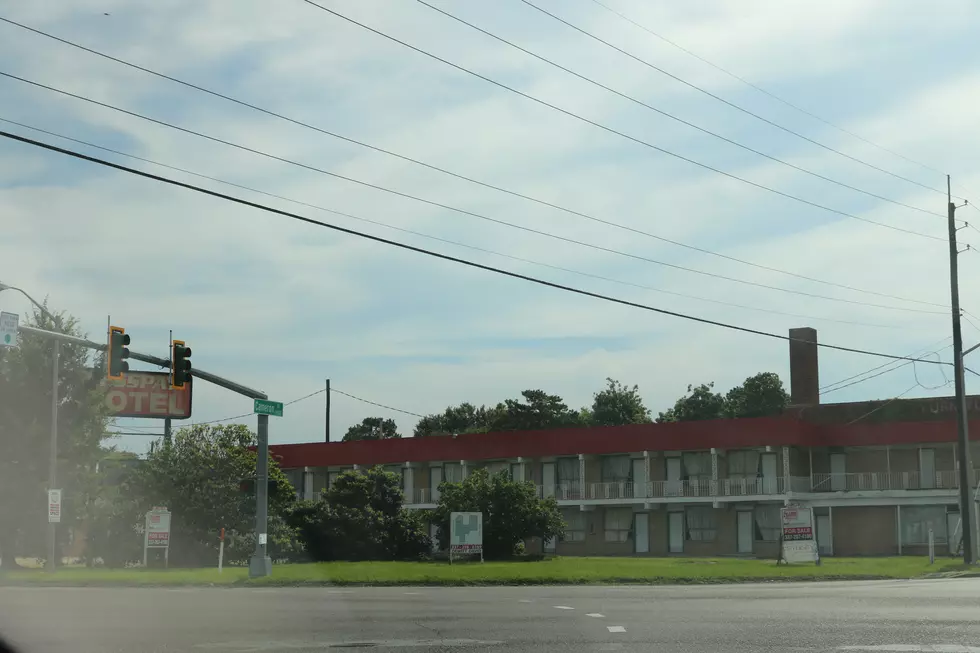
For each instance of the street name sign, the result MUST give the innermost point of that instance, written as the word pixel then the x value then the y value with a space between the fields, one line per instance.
pixel 266 407
pixel 8 329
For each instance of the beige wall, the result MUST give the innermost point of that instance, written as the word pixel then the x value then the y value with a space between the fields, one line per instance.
pixel 724 542
pixel 866 460
pixel 904 459
pixel 865 530
pixel 595 540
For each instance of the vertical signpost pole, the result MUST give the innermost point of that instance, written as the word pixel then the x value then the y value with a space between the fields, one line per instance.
pixel 53 457
pixel 260 564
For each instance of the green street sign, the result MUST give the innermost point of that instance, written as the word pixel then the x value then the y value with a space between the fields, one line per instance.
pixel 266 407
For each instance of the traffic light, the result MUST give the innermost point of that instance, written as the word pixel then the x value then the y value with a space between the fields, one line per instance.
pixel 180 364
pixel 118 353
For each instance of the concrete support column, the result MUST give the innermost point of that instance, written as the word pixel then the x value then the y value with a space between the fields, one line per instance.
pixel 408 482
pixel 308 489
pixel 581 475
pixel 714 472
pixel 521 469
pixel 464 472
pixel 786 469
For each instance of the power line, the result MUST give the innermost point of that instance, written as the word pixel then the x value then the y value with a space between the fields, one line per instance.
pixel 723 100
pixel 457 175
pixel 627 136
pixel 887 371
pixel 445 240
pixel 464 211
pixel 445 257
pixel 374 403
pixel 827 389
pixel 893 399
pixel 677 118
pixel 764 91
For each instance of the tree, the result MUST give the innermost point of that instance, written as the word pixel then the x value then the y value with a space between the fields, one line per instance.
pixel 761 395
pixel 25 423
pixel 698 403
pixel 618 404
pixel 512 511
pixel 539 410
pixel 361 518
pixel 464 418
pixel 373 428
pixel 199 477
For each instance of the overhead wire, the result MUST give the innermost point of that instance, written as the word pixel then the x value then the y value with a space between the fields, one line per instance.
pixel 622 134
pixel 374 403
pixel 456 175
pixel 445 240
pixel 765 91
pixel 444 257
pixel 463 211
pixel 894 365
pixel 727 102
pixel 678 118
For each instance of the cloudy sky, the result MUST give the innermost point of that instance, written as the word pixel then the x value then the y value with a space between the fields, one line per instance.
pixel 282 306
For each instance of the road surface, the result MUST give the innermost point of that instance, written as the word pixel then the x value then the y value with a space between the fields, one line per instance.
pixel 898 616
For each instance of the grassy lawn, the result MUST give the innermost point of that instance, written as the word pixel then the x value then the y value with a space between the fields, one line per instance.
pixel 553 571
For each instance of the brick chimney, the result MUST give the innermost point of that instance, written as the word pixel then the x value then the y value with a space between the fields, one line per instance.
pixel 804 374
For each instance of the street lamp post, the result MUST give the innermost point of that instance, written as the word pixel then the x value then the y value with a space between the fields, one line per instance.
pixel 53 448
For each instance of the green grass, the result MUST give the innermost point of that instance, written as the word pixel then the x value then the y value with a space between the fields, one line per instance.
pixel 553 571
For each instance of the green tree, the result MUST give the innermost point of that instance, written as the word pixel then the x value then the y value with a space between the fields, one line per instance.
pixel 373 428
pixel 361 518
pixel 199 477
pixel 538 410
pixel 512 511
pixel 464 418
pixel 761 395
pixel 25 423
pixel 618 404
pixel 698 403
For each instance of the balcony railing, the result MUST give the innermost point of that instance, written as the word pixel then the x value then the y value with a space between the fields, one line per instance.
pixel 876 481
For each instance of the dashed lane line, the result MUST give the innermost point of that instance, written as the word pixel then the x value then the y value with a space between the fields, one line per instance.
pixel 597 615
pixel 616 629
pixel 562 607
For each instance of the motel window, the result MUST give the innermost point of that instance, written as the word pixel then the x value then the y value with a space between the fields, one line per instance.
pixel 452 472
pixel 697 466
pixel 574 525
pixel 496 467
pixel 768 523
pixel 616 469
pixel 702 526
pixel 618 523
pixel 743 464
pixel 916 522
pixel 567 471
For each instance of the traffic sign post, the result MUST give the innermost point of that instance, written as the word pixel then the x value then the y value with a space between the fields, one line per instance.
pixel 266 407
pixel 8 329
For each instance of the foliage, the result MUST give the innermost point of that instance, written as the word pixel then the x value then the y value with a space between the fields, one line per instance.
pixel 538 410
pixel 464 418
pixel 373 428
pixel 199 478
pixel 361 518
pixel 25 427
pixel 512 511
pixel 617 404
pixel 758 396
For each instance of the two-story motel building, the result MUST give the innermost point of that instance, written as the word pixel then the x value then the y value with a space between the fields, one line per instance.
pixel 878 475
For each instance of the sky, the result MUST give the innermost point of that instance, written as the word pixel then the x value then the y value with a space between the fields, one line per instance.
pixel 855 93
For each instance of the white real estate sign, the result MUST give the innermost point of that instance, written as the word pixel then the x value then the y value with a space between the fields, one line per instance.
pixel 799 541
pixel 8 329
pixel 465 533
pixel 54 506
pixel 157 532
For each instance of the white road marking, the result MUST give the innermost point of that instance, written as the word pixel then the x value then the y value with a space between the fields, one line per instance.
pixel 597 615
pixel 562 607
pixel 616 629
pixel 524 601
pixel 914 648
pixel 412 593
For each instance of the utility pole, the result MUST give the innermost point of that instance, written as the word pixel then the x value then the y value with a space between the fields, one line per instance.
pixel 962 418
pixel 260 563
pixel 53 454
pixel 167 431
pixel 327 421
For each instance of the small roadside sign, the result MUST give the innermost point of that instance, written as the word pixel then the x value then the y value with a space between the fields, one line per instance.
pixel 798 541
pixel 266 407
pixel 8 329
pixel 54 506
pixel 156 533
pixel 465 534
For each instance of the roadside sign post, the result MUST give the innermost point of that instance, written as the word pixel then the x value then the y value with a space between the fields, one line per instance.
pixel 8 329
pixel 465 534
pixel 54 506
pixel 261 564
pixel 156 534
pixel 932 546
pixel 221 550
pixel 798 543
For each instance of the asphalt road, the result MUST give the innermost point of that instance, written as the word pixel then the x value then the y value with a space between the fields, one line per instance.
pixel 899 616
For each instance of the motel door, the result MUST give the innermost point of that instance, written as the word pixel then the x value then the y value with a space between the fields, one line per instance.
pixel 673 477
pixel 675 532
pixel 641 532
pixel 746 531
pixel 770 471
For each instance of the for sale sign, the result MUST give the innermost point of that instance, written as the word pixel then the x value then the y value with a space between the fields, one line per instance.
pixel 148 394
pixel 54 506
pixel 799 541
pixel 466 533
pixel 158 528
